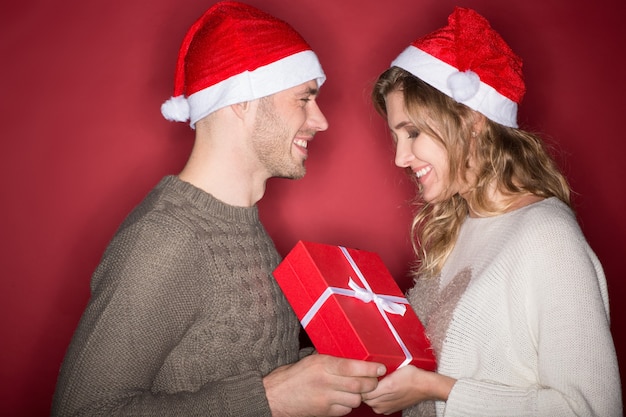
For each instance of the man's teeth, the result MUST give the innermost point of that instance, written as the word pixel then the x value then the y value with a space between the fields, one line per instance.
pixel 301 142
pixel 423 171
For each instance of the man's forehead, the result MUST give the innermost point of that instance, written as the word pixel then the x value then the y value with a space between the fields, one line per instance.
pixel 309 87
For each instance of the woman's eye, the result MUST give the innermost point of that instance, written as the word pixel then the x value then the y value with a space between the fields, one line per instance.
pixel 413 134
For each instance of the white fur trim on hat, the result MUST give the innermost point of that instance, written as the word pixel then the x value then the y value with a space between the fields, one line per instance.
pixel 459 85
pixel 248 85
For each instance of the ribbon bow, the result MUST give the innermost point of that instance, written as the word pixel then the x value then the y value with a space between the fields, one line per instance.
pixel 386 302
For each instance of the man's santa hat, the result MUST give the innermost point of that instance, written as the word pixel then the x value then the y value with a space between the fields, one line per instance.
pixel 470 62
pixel 236 53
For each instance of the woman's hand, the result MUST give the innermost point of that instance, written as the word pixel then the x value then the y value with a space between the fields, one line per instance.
pixel 407 386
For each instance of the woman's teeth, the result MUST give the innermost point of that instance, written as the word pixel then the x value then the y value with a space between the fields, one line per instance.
pixel 423 171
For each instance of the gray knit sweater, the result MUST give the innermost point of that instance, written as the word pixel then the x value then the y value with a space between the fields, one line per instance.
pixel 184 317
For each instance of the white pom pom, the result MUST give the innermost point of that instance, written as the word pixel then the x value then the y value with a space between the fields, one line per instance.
pixel 176 109
pixel 464 85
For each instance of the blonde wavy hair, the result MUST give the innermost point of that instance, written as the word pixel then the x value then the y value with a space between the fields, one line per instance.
pixel 511 161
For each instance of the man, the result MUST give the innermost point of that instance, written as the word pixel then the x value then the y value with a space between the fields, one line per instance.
pixel 185 317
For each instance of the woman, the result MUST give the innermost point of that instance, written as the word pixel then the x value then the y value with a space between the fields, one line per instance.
pixel 513 298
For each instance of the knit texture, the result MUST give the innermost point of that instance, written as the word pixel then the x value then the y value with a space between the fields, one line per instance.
pixel 520 316
pixel 184 318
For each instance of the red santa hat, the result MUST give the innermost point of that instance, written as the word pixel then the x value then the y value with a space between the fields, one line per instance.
pixel 470 62
pixel 235 53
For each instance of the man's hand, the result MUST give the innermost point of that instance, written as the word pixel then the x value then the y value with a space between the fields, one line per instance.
pixel 320 385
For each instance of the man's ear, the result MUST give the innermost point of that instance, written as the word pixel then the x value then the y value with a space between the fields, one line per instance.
pixel 242 109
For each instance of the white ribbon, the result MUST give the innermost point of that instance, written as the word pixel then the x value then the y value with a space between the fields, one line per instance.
pixel 385 303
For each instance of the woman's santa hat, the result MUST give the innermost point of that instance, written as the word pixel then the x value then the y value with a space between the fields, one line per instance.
pixel 470 62
pixel 236 53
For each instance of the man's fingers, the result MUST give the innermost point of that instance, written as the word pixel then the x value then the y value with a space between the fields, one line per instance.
pixel 355 368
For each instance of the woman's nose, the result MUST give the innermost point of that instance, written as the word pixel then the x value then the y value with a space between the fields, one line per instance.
pixel 404 155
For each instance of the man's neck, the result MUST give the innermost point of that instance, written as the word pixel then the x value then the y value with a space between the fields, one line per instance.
pixel 225 175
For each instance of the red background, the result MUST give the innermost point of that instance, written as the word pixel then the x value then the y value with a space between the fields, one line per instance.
pixel 83 141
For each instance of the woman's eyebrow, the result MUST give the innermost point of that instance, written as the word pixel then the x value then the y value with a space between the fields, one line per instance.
pixel 401 125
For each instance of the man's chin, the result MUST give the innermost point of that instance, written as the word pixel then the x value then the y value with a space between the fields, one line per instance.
pixel 292 175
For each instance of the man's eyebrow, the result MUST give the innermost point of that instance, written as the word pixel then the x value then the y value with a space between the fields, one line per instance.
pixel 310 91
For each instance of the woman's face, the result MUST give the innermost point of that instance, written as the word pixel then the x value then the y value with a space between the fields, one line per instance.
pixel 421 153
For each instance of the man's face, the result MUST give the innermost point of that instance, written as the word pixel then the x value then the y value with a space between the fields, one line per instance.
pixel 285 123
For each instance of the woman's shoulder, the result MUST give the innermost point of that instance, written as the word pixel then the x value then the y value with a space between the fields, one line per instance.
pixel 550 227
pixel 550 214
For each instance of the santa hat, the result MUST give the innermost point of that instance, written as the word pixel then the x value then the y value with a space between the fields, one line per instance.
pixel 470 62
pixel 235 53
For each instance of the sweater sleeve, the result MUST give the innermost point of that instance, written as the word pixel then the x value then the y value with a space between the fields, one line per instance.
pixel 567 314
pixel 144 298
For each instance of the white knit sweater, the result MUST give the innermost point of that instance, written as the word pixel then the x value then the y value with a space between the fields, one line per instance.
pixel 520 317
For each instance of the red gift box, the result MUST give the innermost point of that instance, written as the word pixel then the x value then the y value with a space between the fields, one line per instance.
pixel 350 306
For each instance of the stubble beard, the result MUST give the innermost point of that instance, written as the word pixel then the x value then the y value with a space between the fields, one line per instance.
pixel 273 144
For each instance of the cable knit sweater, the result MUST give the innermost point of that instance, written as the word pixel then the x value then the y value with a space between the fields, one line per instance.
pixel 520 316
pixel 184 317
